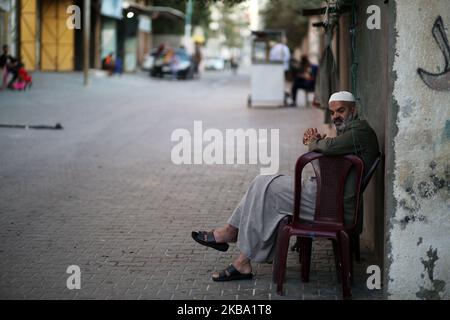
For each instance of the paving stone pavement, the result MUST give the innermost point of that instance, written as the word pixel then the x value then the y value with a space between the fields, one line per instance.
pixel 103 193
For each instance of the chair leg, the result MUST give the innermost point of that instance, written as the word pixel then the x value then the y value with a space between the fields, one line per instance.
pixel 275 270
pixel 344 244
pixel 275 263
pixel 299 247
pixel 351 268
pixel 276 260
pixel 356 247
pixel 337 260
pixel 283 247
pixel 305 251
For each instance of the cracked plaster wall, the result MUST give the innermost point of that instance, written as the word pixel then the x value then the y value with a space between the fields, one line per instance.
pixel 418 217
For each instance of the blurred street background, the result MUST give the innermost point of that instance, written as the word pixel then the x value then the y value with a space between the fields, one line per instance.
pixel 92 90
pixel 103 193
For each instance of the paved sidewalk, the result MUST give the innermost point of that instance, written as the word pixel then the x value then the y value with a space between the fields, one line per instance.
pixel 103 193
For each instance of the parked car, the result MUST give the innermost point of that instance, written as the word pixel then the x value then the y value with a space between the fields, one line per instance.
pixel 214 63
pixel 182 65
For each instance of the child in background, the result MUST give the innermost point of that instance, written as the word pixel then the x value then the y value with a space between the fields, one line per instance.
pixel 21 79
pixel 5 60
pixel 24 77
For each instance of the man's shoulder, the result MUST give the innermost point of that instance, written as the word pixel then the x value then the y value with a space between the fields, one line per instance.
pixel 361 126
pixel 359 123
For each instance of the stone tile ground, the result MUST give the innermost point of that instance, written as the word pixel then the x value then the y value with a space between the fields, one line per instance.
pixel 103 193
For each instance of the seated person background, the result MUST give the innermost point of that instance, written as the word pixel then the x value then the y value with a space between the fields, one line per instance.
pixel 24 79
pixel 108 64
pixel 5 60
pixel 269 199
pixel 304 77
pixel 13 70
pixel 21 79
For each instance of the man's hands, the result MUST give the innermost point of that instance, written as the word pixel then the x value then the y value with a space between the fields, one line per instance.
pixel 311 135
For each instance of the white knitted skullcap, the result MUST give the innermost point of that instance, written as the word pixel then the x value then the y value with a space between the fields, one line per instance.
pixel 342 96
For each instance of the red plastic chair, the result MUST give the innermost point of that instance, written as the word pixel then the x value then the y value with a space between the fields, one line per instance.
pixel 328 222
pixel 355 239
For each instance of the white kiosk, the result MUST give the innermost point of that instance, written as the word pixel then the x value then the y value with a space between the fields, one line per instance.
pixel 267 77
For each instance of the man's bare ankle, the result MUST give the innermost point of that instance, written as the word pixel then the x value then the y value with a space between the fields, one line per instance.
pixel 218 235
pixel 242 267
pixel 225 234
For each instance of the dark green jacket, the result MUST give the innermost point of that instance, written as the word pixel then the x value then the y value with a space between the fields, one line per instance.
pixel 359 139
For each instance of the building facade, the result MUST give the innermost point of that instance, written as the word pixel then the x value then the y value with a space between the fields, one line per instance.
pixel 37 32
pixel 394 56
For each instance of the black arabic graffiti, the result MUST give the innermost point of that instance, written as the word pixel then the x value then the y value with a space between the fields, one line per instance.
pixel 439 81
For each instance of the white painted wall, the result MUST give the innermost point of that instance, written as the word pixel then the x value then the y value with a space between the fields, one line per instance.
pixel 420 223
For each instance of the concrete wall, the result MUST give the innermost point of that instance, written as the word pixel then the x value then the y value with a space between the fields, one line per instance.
pixel 418 160
pixel 372 90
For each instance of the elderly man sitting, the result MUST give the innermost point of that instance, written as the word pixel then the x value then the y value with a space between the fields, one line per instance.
pixel 269 199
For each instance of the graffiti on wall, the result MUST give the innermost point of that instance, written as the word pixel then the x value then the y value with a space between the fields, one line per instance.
pixel 439 81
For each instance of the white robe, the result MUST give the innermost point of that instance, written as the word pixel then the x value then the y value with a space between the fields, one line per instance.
pixel 267 201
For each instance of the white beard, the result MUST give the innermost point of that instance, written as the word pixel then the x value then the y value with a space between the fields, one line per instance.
pixel 341 128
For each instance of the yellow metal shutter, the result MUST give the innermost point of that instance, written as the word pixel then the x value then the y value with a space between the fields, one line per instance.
pixel 28 33
pixel 48 35
pixel 57 41
pixel 66 39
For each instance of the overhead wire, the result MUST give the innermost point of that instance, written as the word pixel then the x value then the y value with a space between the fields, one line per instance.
pixel 354 72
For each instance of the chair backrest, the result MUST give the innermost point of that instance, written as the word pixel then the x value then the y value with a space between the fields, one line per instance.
pixel 331 176
pixel 370 173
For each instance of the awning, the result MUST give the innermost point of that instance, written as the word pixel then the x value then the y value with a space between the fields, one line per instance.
pixel 112 8
pixel 154 10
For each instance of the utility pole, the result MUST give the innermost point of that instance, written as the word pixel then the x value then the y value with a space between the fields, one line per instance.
pixel 86 33
pixel 188 24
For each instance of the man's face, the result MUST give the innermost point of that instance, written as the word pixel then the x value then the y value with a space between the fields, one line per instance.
pixel 341 112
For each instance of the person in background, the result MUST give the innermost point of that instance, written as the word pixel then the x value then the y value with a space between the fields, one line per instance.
pixel 13 69
pixel 24 78
pixel 118 66
pixel 156 70
pixel 170 60
pixel 234 63
pixel 5 60
pixel 281 52
pixel 160 51
pixel 197 58
pixel 108 64
pixel 304 78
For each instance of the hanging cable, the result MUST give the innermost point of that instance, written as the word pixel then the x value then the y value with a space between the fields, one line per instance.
pixel 354 72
